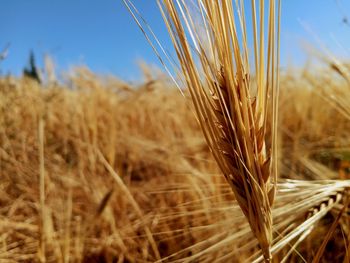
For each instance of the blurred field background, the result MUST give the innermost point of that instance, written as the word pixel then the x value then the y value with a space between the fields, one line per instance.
pixel 94 168
pixel 97 170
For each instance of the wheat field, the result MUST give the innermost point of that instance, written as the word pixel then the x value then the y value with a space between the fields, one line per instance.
pixel 96 169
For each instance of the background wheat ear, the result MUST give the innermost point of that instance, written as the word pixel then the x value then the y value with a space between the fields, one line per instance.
pixel 233 110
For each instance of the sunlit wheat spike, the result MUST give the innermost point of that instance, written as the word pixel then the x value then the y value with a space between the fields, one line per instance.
pixel 231 107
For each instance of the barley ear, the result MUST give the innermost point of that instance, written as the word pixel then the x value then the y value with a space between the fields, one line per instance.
pixel 232 106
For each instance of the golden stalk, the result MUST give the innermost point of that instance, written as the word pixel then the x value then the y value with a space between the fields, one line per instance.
pixel 232 108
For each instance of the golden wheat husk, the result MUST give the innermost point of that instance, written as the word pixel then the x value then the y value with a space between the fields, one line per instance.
pixel 231 107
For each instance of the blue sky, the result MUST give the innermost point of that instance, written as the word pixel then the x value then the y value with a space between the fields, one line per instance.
pixel 103 36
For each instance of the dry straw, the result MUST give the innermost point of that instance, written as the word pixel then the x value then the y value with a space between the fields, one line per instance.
pixel 231 106
pixel 147 136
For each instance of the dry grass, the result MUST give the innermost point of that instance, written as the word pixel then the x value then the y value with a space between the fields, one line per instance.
pixel 97 170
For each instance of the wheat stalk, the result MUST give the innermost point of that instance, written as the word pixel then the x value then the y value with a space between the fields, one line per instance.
pixel 231 108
